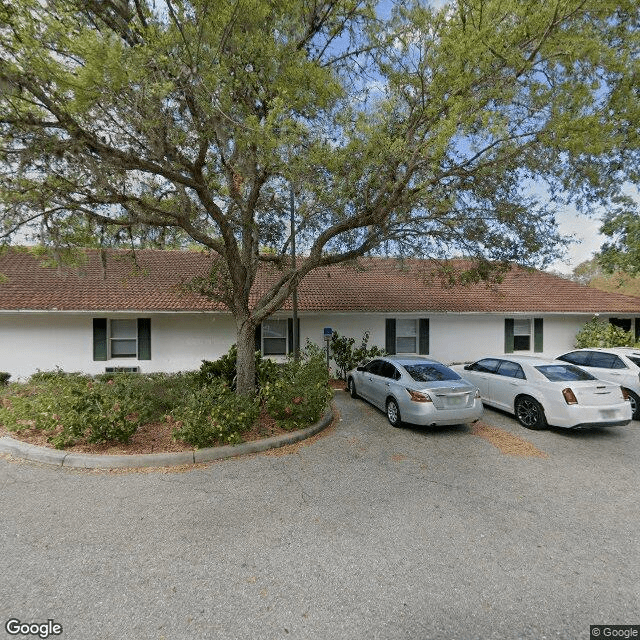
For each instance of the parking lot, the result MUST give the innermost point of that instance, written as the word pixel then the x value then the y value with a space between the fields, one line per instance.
pixel 364 532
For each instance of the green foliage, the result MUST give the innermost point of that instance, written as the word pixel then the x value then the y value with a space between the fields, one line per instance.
pixel 70 406
pixel 4 378
pixel 597 333
pixel 224 369
pixel 300 395
pixel 347 356
pixel 621 253
pixel 214 415
pixel 130 123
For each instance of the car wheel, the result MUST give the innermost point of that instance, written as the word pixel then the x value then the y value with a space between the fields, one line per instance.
pixel 635 404
pixel 529 413
pixel 352 388
pixel 393 413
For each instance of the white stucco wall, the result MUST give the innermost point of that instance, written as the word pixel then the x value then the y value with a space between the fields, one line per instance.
pixel 44 341
pixel 453 337
pixel 179 341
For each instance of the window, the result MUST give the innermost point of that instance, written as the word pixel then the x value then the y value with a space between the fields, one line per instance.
pixel 486 365
pixel 562 373
pixel 374 367
pixel 274 337
pixel 576 357
pixel 511 370
pixel 606 361
pixel 121 338
pixel 621 323
pixel 523 334
pixel 431 372
pixel 387 370
pixel 404 335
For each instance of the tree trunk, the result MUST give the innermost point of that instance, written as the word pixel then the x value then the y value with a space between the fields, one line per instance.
pixel 246 364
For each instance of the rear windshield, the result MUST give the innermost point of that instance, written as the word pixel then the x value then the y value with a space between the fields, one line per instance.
pixel 561 372
pixel 635 359
pixel 431 372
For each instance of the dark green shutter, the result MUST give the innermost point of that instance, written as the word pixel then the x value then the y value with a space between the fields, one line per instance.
pixel 99 338
pixel 423 347
pixel 258 339
pixel 290 334
pixel 508 335
pixel 390 336
pixel 144 338
pixel 537 335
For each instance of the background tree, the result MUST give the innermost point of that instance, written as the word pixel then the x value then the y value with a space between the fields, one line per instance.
pixel 621 254
pixel 593 273
pixel 166 122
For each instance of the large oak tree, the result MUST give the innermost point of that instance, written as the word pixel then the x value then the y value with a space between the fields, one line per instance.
pixel 174 121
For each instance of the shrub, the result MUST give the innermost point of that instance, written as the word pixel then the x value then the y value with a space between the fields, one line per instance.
pixel 4 378
pixel 300 395
pixel 224 369
pixel 214 415
pixel 69 407
pixel 597 333
pixel 347 357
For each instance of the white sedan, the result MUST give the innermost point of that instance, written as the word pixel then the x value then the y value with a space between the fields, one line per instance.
pixel 546 392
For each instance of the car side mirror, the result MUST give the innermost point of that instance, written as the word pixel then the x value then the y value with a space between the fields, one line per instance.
pixel 359 368
pixel 467 367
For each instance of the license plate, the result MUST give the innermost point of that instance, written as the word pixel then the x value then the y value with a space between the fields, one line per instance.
pixel 456 401
pixel 608 413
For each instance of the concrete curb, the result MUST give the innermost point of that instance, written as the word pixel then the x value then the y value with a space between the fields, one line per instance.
pixel 25 451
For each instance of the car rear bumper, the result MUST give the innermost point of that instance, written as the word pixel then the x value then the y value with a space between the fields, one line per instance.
pixel 579 416
pixel 586 425
pixel 425 414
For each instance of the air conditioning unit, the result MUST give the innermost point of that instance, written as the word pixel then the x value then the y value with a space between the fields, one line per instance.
pixel 122 369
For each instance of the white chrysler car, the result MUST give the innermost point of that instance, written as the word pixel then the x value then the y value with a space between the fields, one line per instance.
pixel 544 392
pixel 620 365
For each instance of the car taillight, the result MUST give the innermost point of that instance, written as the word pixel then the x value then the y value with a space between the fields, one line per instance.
pixel 477 393
pixel 625 393
pixel 416 396
pixel 569 396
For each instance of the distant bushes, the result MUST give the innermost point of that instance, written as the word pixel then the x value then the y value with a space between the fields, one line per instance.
pixel 598 333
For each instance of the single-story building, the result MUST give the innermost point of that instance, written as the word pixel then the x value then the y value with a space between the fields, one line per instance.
pixel 116 313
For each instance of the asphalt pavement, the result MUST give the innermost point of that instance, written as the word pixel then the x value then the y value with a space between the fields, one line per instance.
pixel 366 532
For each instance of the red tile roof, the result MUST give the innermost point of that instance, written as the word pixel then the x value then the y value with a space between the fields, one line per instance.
pixel 377 284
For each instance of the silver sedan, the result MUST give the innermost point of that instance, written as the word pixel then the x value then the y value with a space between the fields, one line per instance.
pixel 416 390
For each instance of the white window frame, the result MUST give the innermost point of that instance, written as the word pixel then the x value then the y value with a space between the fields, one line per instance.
pixel 519 332
pixel 111 339
pixel 285 337
pixel 415 335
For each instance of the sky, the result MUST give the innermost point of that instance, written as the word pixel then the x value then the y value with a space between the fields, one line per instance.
pixel 587 240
